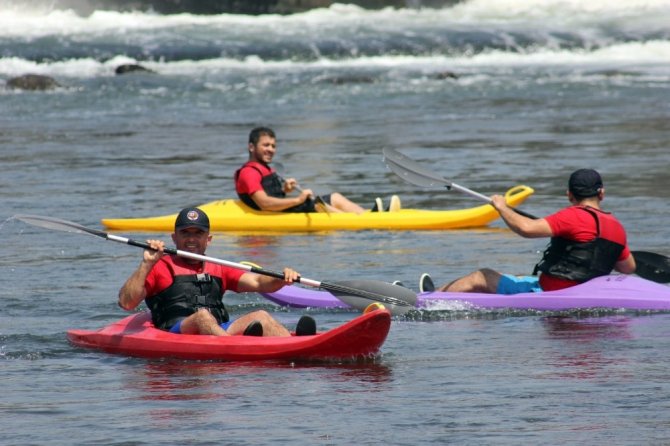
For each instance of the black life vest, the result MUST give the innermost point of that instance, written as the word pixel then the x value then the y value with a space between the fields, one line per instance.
pixel 272 185
pixel 186 295
pixel 580 261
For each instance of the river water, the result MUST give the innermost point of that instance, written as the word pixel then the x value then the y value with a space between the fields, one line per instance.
pixel 539 88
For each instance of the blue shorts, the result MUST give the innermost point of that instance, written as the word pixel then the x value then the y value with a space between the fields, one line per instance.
pixel 176 328
pixel 510 284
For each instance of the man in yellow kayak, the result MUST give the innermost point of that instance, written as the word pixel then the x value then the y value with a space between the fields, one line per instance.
pixel 185 295
pixel 260 187
pixel 586 242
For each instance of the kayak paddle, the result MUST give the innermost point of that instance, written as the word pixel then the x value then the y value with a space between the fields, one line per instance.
pixel 414 173
pixel 650 266
pixel 356 293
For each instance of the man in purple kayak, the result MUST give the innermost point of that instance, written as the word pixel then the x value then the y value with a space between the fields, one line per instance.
pixel 185 295
pixel 586 242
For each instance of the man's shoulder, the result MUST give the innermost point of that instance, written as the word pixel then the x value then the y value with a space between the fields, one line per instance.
pixel 577 211
pixel 569 219
pixel 562 213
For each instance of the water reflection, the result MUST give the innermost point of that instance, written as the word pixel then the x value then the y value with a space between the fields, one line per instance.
pixel 586 352
pixel 255 245
pixel 175 380
pixel 588 329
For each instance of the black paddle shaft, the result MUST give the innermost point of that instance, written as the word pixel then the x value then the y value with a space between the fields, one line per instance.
pixel 398 298
pixel 337 288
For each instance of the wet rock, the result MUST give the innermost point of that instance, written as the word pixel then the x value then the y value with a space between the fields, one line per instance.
pixel 87 7
pixel 349 79
pixel 32 82
pixel 613 73
pixel 445 75
pixel 132 68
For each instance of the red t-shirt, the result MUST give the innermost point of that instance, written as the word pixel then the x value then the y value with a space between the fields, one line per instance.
pixel 574 223
pixel 249 179
pixel 160 276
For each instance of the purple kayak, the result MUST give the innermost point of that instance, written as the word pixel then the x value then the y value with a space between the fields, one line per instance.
pixel 614 291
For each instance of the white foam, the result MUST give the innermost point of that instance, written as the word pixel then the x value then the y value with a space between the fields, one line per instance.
pixel 18 20
pixel 76 68
pixel 594 40
pixel 634 54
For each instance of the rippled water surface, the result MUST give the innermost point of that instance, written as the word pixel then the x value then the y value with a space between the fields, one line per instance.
pixel 538 90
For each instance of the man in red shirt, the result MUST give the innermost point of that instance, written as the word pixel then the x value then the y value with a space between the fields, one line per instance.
pixel 260 187
pixel 586 242
pixel 185 295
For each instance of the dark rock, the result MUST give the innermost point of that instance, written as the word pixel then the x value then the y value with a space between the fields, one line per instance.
pixel 445 75
pixel 132 68
pixel 87 7
pixel 33 82
pixel 349 79
pixel 613 73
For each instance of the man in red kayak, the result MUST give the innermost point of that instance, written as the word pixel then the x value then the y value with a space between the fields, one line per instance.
pixel 185 295
pixel 586 242
pixel 260 187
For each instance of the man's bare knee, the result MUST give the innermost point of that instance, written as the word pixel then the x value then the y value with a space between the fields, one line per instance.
pixel 260 315
pixel 491 278
pixel 488 272
pixel 203 316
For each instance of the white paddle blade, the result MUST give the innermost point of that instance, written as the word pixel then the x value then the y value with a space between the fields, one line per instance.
pixel 411 171
pixel 55 224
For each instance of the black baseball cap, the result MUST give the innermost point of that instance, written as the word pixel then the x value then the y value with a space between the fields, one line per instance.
pixel 192 218
pixel 585 183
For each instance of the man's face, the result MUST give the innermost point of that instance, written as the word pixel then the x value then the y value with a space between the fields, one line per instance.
pixel 264 151
pixel 193 240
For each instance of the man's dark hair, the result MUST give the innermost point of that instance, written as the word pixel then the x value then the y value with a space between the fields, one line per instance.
pixel 255 134
pixel 585 183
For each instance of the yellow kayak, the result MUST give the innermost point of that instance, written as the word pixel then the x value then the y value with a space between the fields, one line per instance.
pixel 233 215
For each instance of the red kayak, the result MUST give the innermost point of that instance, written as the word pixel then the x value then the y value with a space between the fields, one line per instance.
pixel 135 335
